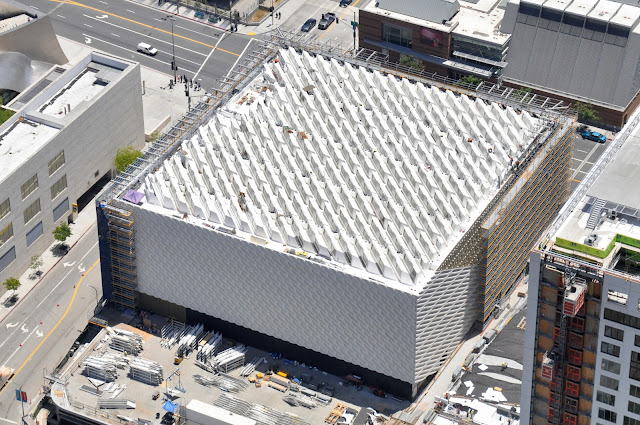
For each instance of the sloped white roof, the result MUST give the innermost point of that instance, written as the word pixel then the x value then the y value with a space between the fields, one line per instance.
pixel 376 174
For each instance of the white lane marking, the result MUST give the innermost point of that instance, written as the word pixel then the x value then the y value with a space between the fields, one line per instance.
pixel 210 53
pixel 241 53
pixel 115 35
pixel 12 325
pixel 23 329
pixel 20 346
pixel 103 2
pixel 141 54
pixel 580 150
pixel 148 36
pixel 51 292
pixel 159 20
pixel 200 34
pixel 130 11
pixel 9 420
pixel 87 25
pixel 61 16
pixel 35 9
pixel 578 170
pixel 81 269
pixel 68 264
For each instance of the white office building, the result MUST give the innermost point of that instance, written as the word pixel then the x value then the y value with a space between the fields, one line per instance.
pixel 61 141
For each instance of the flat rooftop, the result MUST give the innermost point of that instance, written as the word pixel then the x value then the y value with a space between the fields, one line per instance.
pixel 590 225
pixel 77 395
pixel 479 20
pixel 613 182
pixel 86 86
pixel 373 175
pixel 31 128
pixel 19 141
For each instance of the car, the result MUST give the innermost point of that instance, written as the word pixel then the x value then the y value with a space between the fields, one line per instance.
pixel 309 25
pixel 147 49
pixel 345 3
pixel 326 21
pixel 594 135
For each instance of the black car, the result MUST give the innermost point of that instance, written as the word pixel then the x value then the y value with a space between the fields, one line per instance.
pixel 326 21
pixel 345 3
pixel 309 25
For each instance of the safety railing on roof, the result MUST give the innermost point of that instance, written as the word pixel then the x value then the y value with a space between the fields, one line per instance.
pixel 580 191
pixel 187 125
pixel 546 106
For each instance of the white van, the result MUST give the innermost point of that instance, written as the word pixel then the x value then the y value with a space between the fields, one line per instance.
pixel 146 48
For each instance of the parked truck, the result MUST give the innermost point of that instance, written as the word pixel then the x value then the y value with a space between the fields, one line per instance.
pixel 6 373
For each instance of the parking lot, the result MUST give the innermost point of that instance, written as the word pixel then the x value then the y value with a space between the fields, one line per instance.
pixel 585 154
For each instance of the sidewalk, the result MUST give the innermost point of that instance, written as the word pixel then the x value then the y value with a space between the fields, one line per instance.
pixel 286 8
pixel 161 105
pixel 84 224
pixel 441 383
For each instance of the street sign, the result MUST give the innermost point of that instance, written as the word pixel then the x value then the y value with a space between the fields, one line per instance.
pixel 355 25
pixel 18 395
pixel 23 395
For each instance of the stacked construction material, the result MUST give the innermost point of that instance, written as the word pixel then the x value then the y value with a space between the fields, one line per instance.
pixel 300 400
pixel 222 381
pixel 207 350
pixel 251 367
pixel 125 341
pixel 116 403
pixel 100 368
pixel 171 333
pixel 189 340
pixel 230 359
pixel 146 371
pixel 261 414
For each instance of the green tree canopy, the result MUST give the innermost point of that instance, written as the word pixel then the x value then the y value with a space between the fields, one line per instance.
pixel 586 112
pixel 12 284
pixel 125 157
pixel 62 232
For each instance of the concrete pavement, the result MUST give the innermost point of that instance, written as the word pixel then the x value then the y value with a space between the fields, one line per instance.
pixel 442 383
pixel 162 105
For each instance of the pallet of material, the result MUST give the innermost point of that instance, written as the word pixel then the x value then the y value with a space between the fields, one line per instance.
pixel 335 414
pixel 278 387
pixel 280 381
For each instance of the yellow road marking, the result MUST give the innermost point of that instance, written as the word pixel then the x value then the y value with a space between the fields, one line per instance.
pixel 577 181
pixel 56 325
pixel 341 17
pixel 75 3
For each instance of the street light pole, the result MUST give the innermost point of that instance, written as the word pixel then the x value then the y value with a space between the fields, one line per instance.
pixel 271 12
pixel 174 66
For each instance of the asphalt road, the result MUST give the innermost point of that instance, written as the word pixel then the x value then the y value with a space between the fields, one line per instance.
pixel 202 52
pixel 38 333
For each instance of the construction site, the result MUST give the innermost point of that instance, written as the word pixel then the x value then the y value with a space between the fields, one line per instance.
pixel 325 209
pixel 186 374
pixel 582 322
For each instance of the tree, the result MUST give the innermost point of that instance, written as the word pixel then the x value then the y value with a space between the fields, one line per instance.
pixel 35 264
pixel 12 284
pixel 154 136
pixel 62 232
pixel 470 81
pixel 586 112
pixel 125 157
pixel 521 93
pixel 411 62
